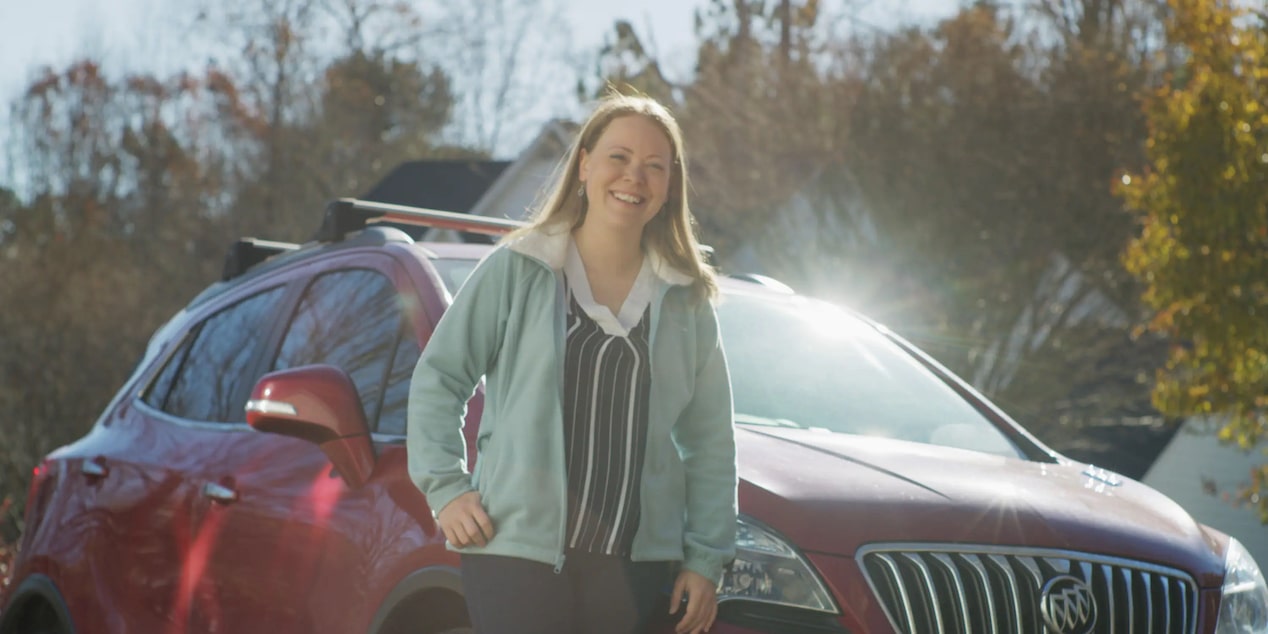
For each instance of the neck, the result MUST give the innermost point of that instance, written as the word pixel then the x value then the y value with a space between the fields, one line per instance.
pixel 611 250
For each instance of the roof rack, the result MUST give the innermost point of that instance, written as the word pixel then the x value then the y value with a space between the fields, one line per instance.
pixel 346 215
pixel 248 252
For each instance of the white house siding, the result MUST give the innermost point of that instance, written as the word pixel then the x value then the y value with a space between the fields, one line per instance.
pixel 520 188
pixel 1195 457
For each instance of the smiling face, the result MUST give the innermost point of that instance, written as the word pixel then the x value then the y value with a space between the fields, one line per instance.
pixel 627 173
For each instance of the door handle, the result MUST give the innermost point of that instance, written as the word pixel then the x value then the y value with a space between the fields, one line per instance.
pixel 219 493
pixel 95 468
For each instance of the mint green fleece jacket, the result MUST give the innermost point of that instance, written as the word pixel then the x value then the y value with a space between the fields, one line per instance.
pixel 506 324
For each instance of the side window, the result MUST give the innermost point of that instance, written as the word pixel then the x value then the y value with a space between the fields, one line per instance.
pixel 156 396
pixel 353 320
pixel 392 418
pixel 209 377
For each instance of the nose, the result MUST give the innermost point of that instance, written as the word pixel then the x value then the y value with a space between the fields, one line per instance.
pixel 635 172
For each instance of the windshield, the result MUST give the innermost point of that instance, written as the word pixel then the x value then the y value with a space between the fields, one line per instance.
pixel 799 362
pixel 803 363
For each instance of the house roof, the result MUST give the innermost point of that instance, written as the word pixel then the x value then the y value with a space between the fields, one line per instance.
pixel 549 144
pixel 448 185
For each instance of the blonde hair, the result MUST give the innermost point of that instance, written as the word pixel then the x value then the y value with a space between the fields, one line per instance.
pixel 671 232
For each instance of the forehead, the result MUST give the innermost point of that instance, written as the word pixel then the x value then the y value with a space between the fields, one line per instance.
pixel 636 132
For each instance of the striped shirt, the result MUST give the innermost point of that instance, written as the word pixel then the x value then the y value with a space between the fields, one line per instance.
pixel 607 381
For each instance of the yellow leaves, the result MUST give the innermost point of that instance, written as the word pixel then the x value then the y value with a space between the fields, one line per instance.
pixel 1198 205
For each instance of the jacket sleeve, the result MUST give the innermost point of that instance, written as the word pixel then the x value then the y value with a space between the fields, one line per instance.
pixel 705 438
pixel 462 348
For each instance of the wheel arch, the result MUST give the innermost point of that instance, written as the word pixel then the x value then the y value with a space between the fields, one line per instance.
pixel 34 593
pixel 425 594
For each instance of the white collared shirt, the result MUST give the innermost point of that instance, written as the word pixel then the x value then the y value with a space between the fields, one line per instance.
pixel 636 302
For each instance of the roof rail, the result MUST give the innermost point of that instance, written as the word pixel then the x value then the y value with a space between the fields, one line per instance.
pixel 346 215
pixel 248 252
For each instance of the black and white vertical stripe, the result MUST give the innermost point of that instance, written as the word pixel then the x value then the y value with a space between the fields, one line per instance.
pixel 606 395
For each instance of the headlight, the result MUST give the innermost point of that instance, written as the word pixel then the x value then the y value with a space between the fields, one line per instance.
pixel 767 569
pixel 1244 603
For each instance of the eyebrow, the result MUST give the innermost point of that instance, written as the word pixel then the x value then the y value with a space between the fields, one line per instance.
pixel 631 151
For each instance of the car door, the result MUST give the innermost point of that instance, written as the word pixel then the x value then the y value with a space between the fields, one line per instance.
pixel 144 460
pixel 283 514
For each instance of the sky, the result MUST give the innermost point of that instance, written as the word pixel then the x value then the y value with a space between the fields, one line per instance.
pixel 143 33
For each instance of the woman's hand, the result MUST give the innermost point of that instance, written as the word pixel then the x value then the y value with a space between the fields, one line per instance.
pixel 465 522
pixel 702 602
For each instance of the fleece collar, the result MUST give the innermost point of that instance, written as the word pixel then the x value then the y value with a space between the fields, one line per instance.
pixel 549 245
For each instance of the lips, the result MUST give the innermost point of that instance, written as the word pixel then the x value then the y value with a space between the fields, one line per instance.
pixel 628 198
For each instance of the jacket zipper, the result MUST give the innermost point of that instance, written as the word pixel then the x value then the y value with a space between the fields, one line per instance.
pixel 658 301
pixel 560 326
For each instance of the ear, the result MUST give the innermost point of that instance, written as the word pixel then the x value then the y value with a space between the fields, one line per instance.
pixel 583 169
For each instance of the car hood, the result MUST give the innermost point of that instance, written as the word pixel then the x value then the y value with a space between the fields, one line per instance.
pixel 833 493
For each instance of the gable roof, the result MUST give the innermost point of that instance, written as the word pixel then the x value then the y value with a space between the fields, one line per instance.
pixel 551 144
pixel 447 185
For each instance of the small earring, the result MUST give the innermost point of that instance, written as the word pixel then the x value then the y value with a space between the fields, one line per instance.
pixel 581 191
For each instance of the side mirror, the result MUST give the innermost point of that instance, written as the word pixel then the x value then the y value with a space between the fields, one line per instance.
pixel 317 403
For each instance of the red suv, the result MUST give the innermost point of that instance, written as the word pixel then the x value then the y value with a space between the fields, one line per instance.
pixel 250 476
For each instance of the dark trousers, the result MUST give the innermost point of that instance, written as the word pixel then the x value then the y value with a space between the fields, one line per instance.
pixel 592 594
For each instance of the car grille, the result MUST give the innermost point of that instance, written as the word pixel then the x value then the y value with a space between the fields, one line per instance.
pixel 935 589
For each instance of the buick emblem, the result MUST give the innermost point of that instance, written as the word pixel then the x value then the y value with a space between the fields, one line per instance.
pixel 1068 606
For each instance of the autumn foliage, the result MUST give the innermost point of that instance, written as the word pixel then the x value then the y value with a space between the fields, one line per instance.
pixel 1202 203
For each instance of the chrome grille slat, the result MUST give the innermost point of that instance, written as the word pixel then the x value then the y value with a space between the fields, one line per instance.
pixel 958 589
pixel 1107 573
pixel 930 591
pixel 1131 613
pixel 965 589
pixel 975 562
pixel 1014 592
pixel 905 601
pixel 1166 602
pixel 1149 603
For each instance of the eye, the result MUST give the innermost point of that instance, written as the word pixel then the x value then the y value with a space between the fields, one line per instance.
pixel 656 166
pixel 617 156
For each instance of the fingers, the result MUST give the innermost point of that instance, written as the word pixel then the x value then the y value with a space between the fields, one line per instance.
pixel 702 603
pixel 675 597
pixel 483 523
pixel 465 522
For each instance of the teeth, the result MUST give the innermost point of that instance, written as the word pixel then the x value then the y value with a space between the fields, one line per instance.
pixel 633 200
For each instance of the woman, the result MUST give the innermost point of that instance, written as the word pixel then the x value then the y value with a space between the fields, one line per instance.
pixel 606 456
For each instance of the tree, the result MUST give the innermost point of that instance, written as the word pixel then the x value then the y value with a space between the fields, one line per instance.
pixel 970 210
pixel 626 64
pixel 761 115
pixel 1202 205
pixel 511 68
pixel 121 176
pixel 321 99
